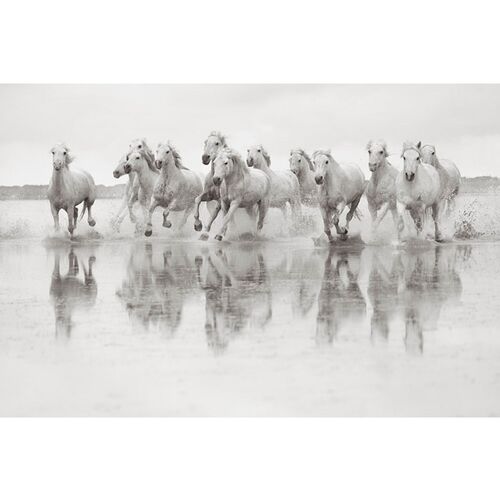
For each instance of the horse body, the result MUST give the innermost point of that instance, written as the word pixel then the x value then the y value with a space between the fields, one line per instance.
pixel 302 166
pixel 448 173
pixel 341 185
pixel 381 188
pixel 213 144
pixel 146 177
pixel 68 188
pixel 176 189
pixel 131 195
pixel 418 187
pixel 284 186
pixel 240 187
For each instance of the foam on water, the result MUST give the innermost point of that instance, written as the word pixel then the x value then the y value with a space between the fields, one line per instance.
pixel 477 217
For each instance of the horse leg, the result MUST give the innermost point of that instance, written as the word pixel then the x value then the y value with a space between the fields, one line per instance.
pixel 166 213
pixel 90 219
pixel 327 216
pixel 71 221
pixel 214 212
pixel 75 215
pixel 185 217
pixel 227 219
pixel 149 225
pixel 398 220
pixel 55 215
pixel 263 208
pixel 205 196
pixel 130 204
pixel 352 211
pixel 417 216
pixel 436 215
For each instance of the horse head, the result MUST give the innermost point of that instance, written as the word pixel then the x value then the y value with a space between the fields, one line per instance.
pixel 299 161
pixel 429 154
pixel 257 156
pixel 167 155
pixel 412 159
pixel 225 163
pixel 214 142
pixel 322 160
pixel 377 153
pixel 61 156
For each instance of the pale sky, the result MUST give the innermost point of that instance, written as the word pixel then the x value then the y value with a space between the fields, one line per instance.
pixel 98 121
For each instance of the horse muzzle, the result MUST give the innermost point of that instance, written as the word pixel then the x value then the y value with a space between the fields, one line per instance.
pixel 127 169
pixel 250 162
pixel 319 179
pixel 158 164
pixel 116 174
pixel 372 166
pixel 410 177
pixel 205 159
pixel 217 181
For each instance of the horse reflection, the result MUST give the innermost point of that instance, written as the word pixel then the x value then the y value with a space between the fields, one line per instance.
pixel 340 301
pixel 154 290
pixel 70 293
pixel 384 283
pixel 237 294
pixel 431 280
pixel 307 270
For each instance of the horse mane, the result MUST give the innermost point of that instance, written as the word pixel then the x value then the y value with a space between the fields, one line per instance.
pixel 326 152
pixel 302 153
pixel 234 156
pixel 411 145
pixel 380 142
pixel 219 135
pixel 69 155
pixel 265 154
pixel 177 157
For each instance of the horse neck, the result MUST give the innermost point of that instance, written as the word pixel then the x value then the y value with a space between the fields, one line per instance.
pixel 335 175
pixel 146 176
pixel 380 171
pixel 261 164
pixel 169 171
pixel 238 173
pixel 61 179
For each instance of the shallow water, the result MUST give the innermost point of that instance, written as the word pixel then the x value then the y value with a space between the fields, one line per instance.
pixel 116 324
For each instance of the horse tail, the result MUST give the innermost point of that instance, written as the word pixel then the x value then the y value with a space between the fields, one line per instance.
pixel 83 211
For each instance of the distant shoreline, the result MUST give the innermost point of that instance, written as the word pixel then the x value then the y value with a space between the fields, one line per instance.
pixel 39 192
pixel 470 185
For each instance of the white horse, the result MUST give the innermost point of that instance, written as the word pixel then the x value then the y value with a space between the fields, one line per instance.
pixel 176 189
pixel 418 188
pixel 341 185
pixel 147 176
pixel 448 174
pixel 240 186
pixel 130 196
pixel 381 188
pixel 302 166
pixel 68 188
pixel 284 185
pixel 213 144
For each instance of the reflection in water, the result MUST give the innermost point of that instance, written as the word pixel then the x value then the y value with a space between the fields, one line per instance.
pixel 156 286
pixel 431 280
pixel 340 301
pixel 237 293
pixel 384 283
pixel 69 292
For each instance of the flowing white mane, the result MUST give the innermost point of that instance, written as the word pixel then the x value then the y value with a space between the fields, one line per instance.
pixel 304 155
pixel 409 145
pixel 265 154
pixel 177 156
pixel 324 152
pixel 219 136
pixel 61 146
pixel 144 151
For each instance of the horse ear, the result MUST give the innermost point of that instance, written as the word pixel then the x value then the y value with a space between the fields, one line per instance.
pixel 419 144
pixel 368 145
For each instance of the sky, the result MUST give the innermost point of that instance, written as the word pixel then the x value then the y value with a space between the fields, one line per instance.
pixel 98 122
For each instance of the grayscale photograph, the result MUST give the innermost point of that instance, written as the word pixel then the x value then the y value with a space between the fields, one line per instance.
pixel 267 250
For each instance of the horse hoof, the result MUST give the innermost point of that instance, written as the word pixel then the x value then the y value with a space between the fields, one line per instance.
pixel 92 223
pixel 218 237
pixel 148 232
pixel 204 237
pixel 197 225
pixel 343 236
pixel 167 224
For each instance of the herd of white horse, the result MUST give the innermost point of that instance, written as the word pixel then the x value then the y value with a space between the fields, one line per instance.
pixel 425 185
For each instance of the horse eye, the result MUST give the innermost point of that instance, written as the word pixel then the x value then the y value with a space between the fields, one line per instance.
pixel 326 162
pixel 64 153
pixel 369 151
pixel 140 146
pixel 225 163
pixel 216 143
pixel 380 152
pixel 137 157
pixel 433 152
pixel 299 160
pixel 258 150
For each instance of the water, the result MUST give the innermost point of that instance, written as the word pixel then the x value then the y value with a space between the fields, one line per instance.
pixel 117 324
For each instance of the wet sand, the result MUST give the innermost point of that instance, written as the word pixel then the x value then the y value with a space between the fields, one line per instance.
pixel 278 328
